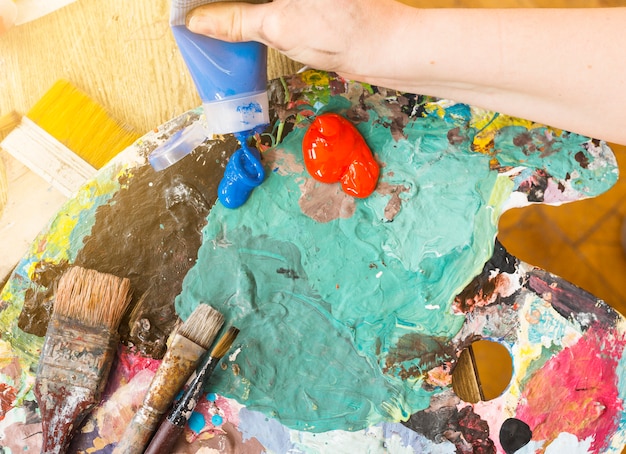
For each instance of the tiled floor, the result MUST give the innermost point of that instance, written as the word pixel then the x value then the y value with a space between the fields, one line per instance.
pixel 578 241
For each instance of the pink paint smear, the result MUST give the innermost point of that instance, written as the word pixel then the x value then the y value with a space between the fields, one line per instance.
pixel 576 391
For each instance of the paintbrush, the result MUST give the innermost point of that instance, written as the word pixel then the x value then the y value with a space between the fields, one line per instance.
pixel 186 349
pixel 80 344
pixel 66 137
pixel 172 426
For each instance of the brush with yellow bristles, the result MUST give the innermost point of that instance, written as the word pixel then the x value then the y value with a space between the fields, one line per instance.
pixel 66 137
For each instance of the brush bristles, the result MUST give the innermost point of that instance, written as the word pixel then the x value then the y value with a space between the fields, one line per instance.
pixel 92 297
pixel 202 325
pixel 81 124
pixel 225 342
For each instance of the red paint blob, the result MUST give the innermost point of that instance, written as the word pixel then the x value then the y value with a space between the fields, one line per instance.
pixel 335 152
pixel 8 394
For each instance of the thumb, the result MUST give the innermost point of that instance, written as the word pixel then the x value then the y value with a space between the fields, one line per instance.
pixel 227 21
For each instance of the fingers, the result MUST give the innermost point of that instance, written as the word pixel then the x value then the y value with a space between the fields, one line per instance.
pixel 346 36
pixel 227 21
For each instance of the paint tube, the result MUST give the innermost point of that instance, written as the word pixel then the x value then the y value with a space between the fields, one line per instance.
pixel 231 78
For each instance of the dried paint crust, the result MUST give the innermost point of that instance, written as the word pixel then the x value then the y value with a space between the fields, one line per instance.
pixel 148 227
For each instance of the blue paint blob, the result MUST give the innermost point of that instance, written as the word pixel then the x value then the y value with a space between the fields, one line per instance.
pixel 217 420
pixel 243 173
pixel 196 422
pixel 253 107
pixel 211 397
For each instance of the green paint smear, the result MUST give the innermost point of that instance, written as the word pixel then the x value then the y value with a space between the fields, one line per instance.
pixel 317 320
pixel 558 156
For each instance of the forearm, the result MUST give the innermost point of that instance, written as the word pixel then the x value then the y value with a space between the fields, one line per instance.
pixel 561 67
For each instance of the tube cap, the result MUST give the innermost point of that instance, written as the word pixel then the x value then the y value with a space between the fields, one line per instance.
pixel 236 114
pixel 178 146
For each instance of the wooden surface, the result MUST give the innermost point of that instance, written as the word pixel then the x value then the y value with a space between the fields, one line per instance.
pixel 121 53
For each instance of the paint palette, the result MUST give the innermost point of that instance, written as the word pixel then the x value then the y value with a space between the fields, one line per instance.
pixel 310 372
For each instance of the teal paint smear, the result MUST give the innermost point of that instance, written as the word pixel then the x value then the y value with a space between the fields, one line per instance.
pixel 282 323
pixel 333 104
pixel 551 328
pixel 316 335
pixel 556 155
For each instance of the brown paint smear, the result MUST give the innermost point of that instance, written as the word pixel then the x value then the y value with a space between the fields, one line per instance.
pixel 150 232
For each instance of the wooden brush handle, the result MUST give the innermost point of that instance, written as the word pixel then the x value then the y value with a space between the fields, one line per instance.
pixel 63 408
pixel 172 426
pixel 165 438
pixel 73 369
pixel 178 364
pixel 139 431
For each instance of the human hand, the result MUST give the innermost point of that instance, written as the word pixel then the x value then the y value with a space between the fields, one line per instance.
pixel 345 36
pixel 480 56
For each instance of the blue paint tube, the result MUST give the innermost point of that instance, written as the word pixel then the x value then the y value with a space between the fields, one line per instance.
pixel 231 78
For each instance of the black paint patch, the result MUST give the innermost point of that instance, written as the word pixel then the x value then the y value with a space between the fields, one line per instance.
pixel 570 301
pixel 514 434
pixel 486 282
pixel 502 260
pixel 582 159
pixel 464 428
pixel 289 273
pixel 535 187
pixel 151 231
pixel 39 298
pixel 431 423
